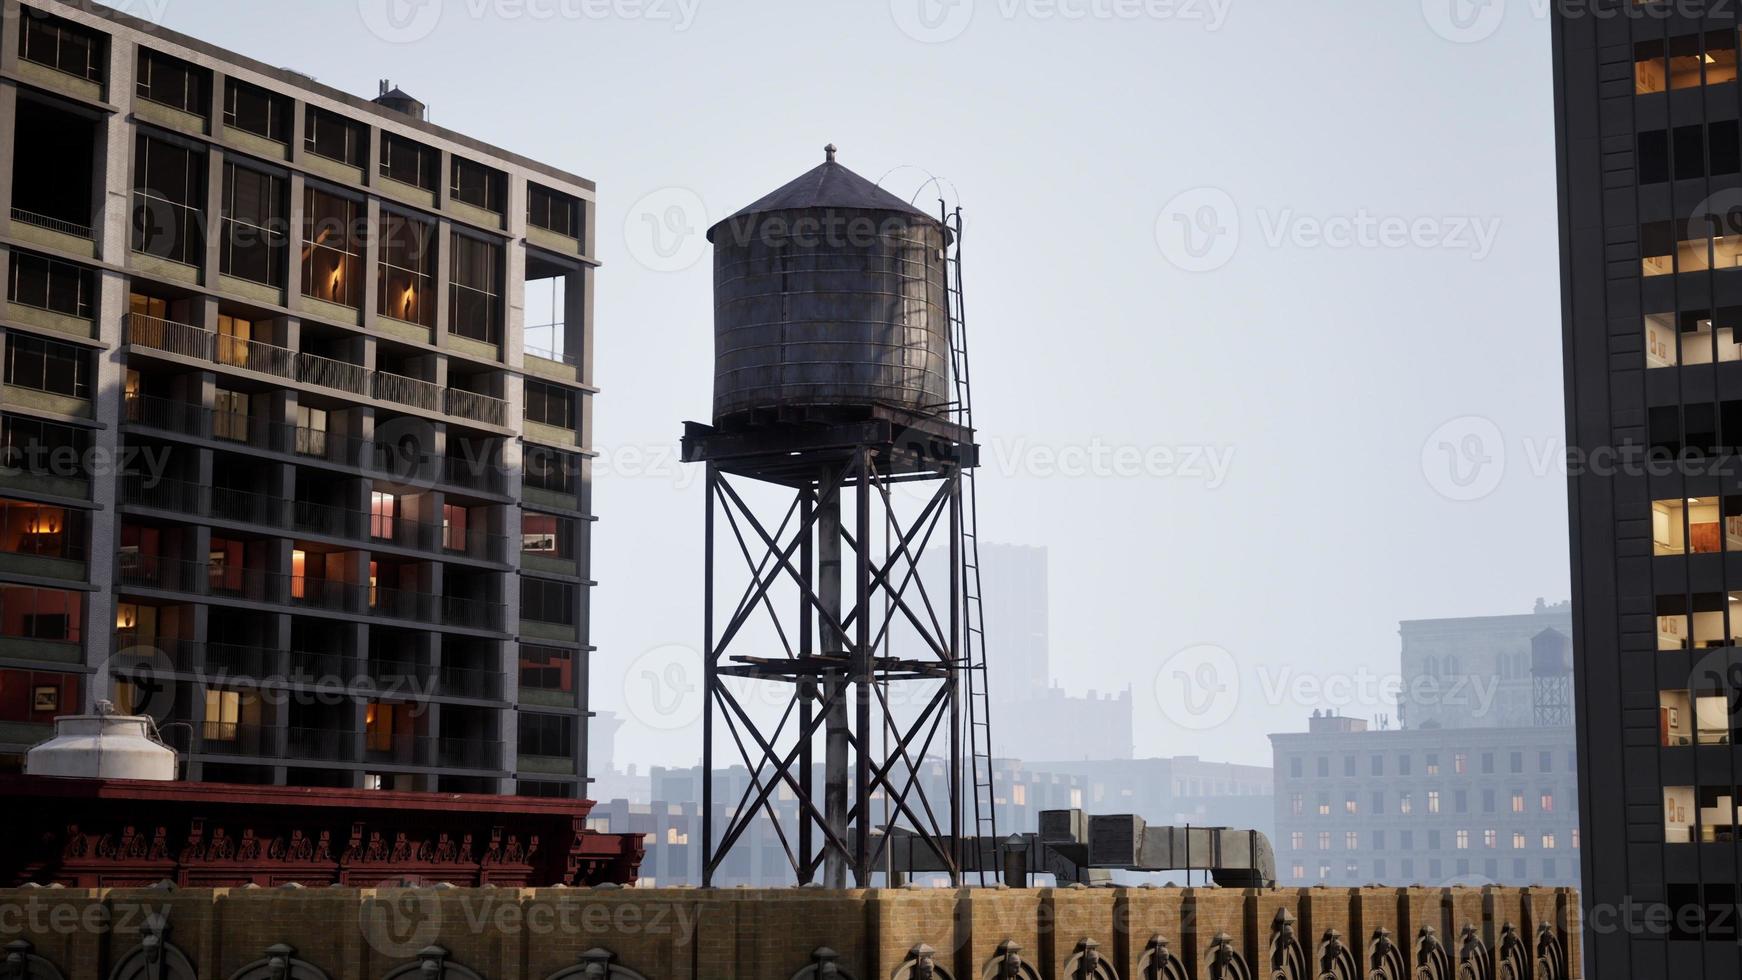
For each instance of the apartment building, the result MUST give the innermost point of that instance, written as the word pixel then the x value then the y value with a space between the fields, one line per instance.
pixel 295 420
pixel 1358 806
pixel 1648 110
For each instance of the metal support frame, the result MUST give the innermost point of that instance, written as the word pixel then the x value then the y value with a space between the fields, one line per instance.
pixel 838 684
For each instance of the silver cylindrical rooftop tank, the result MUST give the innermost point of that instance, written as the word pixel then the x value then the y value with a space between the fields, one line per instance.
pixel 102 746
pixel 830 292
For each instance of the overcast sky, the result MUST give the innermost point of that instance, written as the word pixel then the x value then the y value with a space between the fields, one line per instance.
pixel 1257 266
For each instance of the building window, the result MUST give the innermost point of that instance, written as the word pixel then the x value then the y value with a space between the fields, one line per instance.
pixel 48 365
pixel 255 110
pixel 61 45
pixel 230 415
pixel 333 241
pixel 552 736
pixel 478 185
pixel 550 470
pixel 50 284
pixel 1405 804
pixel 1490 839
pixel 381 722
pixel 1324 840
pixel 1351 840
pixel 30 613
pixel 1296 805
pixel 1297 840
pixel 1461 763
pixel 169 195
pixel 1548 842
pixel 41 530
pixel 330 135
pixel 547 669
pixel 311 431
pixel 383 509
pixel 545 601
pixel 455 517
pixel 547 536
pixel 33 445
pixel 408 162
pixel 1433 801
pixel 1517 802
pixel 1378 803
pixel 1433 764
pixel 551 405
pixel 1294 768
pixel 171 82
pixel 35 697
pixel 1351 807
pixel 1517 762
pixel 407 269
pixel 1463 840
pixel 475 303
pixel 553 211
pixel 255 237
pixel 1403 765
pixel 1546 802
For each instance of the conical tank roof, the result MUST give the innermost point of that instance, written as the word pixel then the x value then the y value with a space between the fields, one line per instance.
pixel 827 186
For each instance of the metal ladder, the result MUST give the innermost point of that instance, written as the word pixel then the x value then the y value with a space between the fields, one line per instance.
pixel 979 720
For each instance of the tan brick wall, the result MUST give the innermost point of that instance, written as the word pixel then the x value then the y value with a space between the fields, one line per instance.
pixel 745 934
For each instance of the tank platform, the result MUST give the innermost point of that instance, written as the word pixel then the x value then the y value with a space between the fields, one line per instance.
pixel 785 445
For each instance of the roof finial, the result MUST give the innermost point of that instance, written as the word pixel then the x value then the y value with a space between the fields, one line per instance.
pixel 830 151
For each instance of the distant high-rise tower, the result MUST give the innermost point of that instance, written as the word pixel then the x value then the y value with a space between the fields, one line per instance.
pixel 1650 174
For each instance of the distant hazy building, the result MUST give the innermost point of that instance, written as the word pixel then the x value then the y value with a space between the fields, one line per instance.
pixel 1057 725
pixel 1174 791
pixel 1358 806
pixel 1013 584
pixel 1474 671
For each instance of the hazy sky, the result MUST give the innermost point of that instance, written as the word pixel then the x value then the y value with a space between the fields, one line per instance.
pixel 1298 239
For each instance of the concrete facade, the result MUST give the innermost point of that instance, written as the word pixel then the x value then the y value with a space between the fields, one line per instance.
pixel 321 377
pixel 1650 196
pixel 686 934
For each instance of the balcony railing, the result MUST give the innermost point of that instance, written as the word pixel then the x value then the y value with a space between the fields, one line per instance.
pixel 407 391
pixel 256 585
pixel 469 753
pixel 60 225
pixel 326 372
pixel 181 339
pixel 256 355
pixel 477 407
pixel 167 414
pixel 469 682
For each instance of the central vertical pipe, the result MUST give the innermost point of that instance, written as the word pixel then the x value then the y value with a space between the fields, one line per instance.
pixel 835 725
pixel 807 687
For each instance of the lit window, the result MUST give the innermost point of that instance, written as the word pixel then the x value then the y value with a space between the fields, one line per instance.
pixel 298 571
pixel 1324 840
pixel 383 508
pixel 1460 763
pixel 1518 841
pixel 1546 803
pixel 1433 801
pixel 1490 839
pixel 1350 806
pixel 1405 805
pixel 1433 764
pixel 1463 840
pixel 1351 841
pixel 1296 805
pixel 1297 840
pixel 1517 802
pixel 1548 842
pixel 223 715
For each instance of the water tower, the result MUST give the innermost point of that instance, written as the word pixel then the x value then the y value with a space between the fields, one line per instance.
pixel 840 453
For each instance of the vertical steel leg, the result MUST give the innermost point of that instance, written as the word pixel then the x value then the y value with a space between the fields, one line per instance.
pixel 709 679
pixel 862 673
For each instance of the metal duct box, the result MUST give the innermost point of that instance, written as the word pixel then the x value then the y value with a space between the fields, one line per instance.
pixel 1116 841
pixel 1063 826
